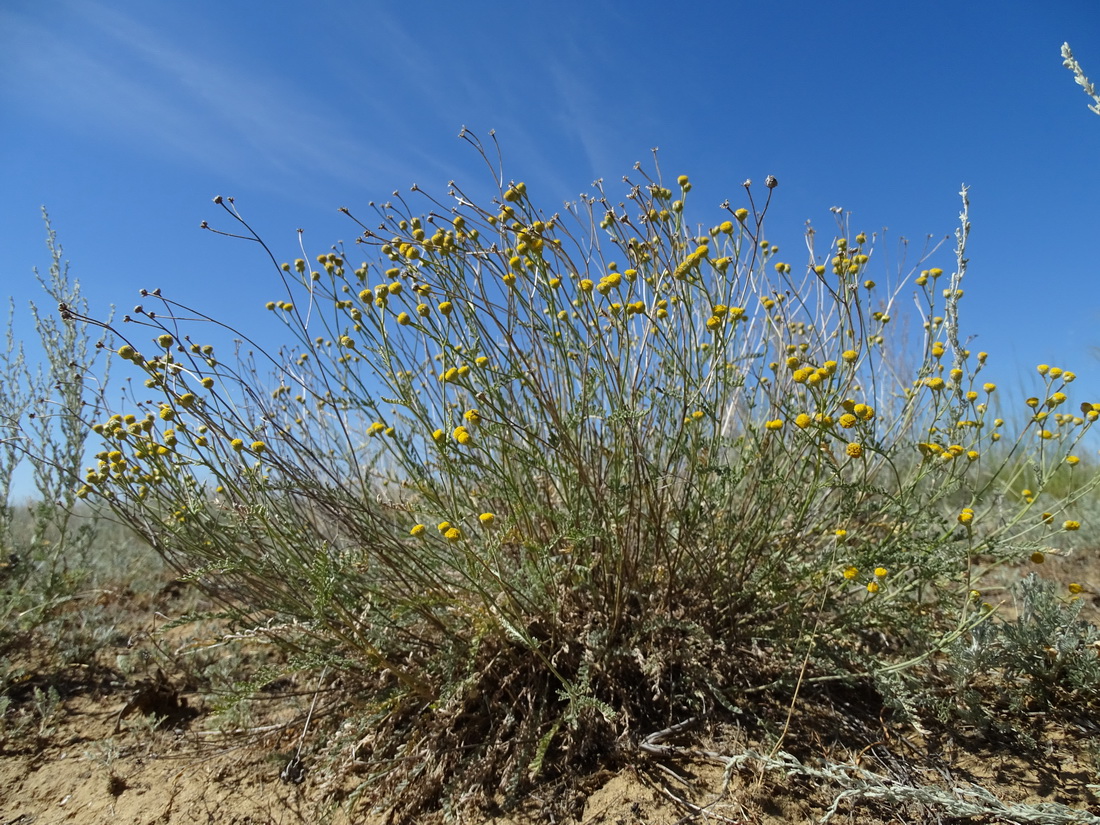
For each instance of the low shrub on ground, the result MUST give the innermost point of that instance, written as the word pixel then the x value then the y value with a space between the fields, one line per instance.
pixel 54 549
pixel 544 482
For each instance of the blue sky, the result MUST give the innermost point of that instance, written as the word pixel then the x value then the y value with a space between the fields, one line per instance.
pixel 126 118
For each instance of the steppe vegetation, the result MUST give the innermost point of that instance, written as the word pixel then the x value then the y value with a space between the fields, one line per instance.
pixel 532 494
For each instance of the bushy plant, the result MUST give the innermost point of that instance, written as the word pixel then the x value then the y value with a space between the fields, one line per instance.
pixel 53 548
pixel 546 481
pixel 43 407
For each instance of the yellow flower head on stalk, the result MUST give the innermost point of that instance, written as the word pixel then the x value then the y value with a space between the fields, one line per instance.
pixel 881 572
pixel 1038 558
pixel 418 530
pixel 847 421
pixel 864 412
pixel 473 416
pixel 487 519
pixel 454 534
pixel 802 421
pixel 872 587
pixel 854 450
pixel 462 435
pixel 1071 525
pixel 776 424
pixel 850 573
pixel 966 516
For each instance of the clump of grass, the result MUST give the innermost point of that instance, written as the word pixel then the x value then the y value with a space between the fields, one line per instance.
pixel 546 482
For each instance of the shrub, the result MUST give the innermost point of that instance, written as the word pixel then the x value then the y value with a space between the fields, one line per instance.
pixel 48 551
pixel 548 481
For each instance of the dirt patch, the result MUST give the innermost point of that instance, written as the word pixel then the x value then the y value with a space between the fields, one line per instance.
pixel 136 735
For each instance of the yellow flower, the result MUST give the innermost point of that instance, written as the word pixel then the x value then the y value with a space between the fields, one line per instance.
pixel 443 526
pixel 872 587
pixel 417 530
pixel 776 424
pixel 446 307
pixel 237 444
pixel 849 355
pixel 473 416
pixel 258 446
pixel 423 310
pixel 741 214
pixel 934 383
pixel 207 382
pixel 966 516
pixel 850 573
pixel 802 421
pixel 487 519
pixel 438 436
pixel 1075 588
pixel 854 450
pixel 165 340
pixel 1037 557
pixel 404 319
pixel 1071 525
pixel 454 534
pixel 1043 369
pixel 847 421
pixel 462 435
pixel 1072 460
pixel 881 572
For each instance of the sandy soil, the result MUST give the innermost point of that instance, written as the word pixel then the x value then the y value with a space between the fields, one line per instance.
pixel 97 757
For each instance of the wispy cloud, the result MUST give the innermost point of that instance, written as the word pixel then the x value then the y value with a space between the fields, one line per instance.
pixel 132 83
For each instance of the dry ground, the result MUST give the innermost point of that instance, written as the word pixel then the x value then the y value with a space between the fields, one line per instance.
pixel 98 756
